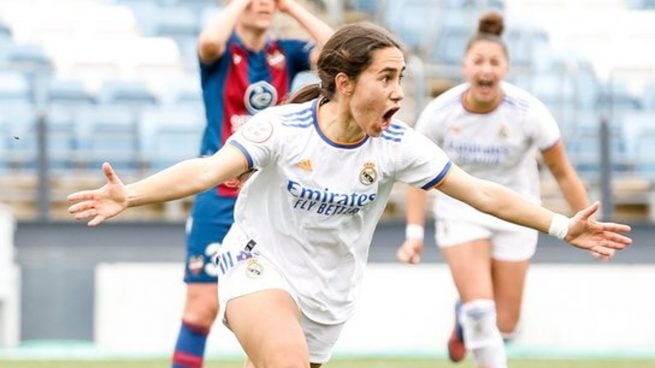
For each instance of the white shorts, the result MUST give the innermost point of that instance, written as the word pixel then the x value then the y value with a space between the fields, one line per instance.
pixel 247 276
pixel 509 242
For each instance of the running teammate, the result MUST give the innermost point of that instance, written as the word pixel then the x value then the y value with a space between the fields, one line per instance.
pixel 495 131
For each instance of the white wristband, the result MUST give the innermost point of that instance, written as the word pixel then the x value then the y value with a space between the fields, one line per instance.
pixel 414 232
pixel 559 226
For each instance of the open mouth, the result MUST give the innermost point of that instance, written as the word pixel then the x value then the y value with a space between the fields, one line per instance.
pixel 387 115
pixel 485 83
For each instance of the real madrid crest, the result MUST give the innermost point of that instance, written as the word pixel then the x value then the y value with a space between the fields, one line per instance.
pixel 368 175
pixel 503 131
pixel 253 268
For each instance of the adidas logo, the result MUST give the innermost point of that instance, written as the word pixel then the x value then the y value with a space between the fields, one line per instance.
pixel 305 165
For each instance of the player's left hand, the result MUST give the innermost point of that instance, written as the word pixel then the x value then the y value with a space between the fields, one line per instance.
pixel 601 238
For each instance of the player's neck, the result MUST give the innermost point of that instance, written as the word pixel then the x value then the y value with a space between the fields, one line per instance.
pixel 252 39
pixel 480 107
pixel 338 125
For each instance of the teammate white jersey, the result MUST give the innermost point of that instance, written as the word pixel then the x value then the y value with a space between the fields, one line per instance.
pixel 501 146
pixel 312 206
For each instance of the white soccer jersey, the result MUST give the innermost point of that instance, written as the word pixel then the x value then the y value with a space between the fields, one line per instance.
pixel 501 146
pixel 313 204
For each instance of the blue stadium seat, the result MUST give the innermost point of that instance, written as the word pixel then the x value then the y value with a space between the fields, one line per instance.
pixel 184 92
pixel 69 92
pixel 370 7
pixel 616 100
pixel 303 79
pixel 19 121
pixel 526 44
pixel 401 17
pixel 556 90
pixel 6 35
pixel 133 93
pixel 170 134
pixel 108 133
pixel 583 147
pixel 450 45
pixel 62 137
pixel 648 97
pixel 14 88
pixel 29 58
pixel 587 86
pixel 645 153
pixel 175 21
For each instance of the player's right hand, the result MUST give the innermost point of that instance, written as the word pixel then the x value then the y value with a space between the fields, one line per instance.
pixel 100 204
pixel 410 251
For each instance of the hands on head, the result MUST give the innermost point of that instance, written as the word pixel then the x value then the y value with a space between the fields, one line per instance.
pixel 100 204
pixel 282 5
pixel 600 238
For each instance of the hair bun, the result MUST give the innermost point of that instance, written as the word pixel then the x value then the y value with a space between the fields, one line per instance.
pixel 491 23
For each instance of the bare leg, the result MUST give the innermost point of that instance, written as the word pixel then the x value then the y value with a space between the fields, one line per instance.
pixel 509 283
pixel 267 325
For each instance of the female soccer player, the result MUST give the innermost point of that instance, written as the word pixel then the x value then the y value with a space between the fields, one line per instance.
pixel 243 70
pixel 495 131
pixel 291 265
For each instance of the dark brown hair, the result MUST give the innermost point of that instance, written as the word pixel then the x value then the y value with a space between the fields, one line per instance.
pixel 349 51
pixel 490 28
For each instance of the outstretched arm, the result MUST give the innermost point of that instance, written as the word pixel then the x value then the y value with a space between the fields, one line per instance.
pixel 581 230
pixel 178 181
pixel 318 30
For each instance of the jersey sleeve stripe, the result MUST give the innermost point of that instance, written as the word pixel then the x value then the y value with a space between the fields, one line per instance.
pixel 436 181
pixel 244 151
pixel 302 114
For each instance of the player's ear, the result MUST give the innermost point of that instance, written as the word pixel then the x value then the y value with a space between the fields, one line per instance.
pixel 344 85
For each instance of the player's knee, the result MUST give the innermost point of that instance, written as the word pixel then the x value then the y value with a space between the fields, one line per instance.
pixel 200 312
pixel 507 322
pixel 481 334
pixel 478 318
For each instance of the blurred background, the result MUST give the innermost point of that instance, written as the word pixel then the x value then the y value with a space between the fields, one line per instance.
pixel 87 81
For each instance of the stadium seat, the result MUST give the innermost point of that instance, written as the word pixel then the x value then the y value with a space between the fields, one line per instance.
pixel 107 133
pixel 6 35
pixel 525 44
pixel 21 142
pixel 69 92
pixel 450 45
pixel 30 58
pixel 586 84
pixel 303 79
pixel 184 92
pixel 401 18
pixel 62 137
pixel 645 153
pixel 14 88
pixel 648 97
pixel 617 100
pixel 170 134
pixel 174 21
pixel 133 93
